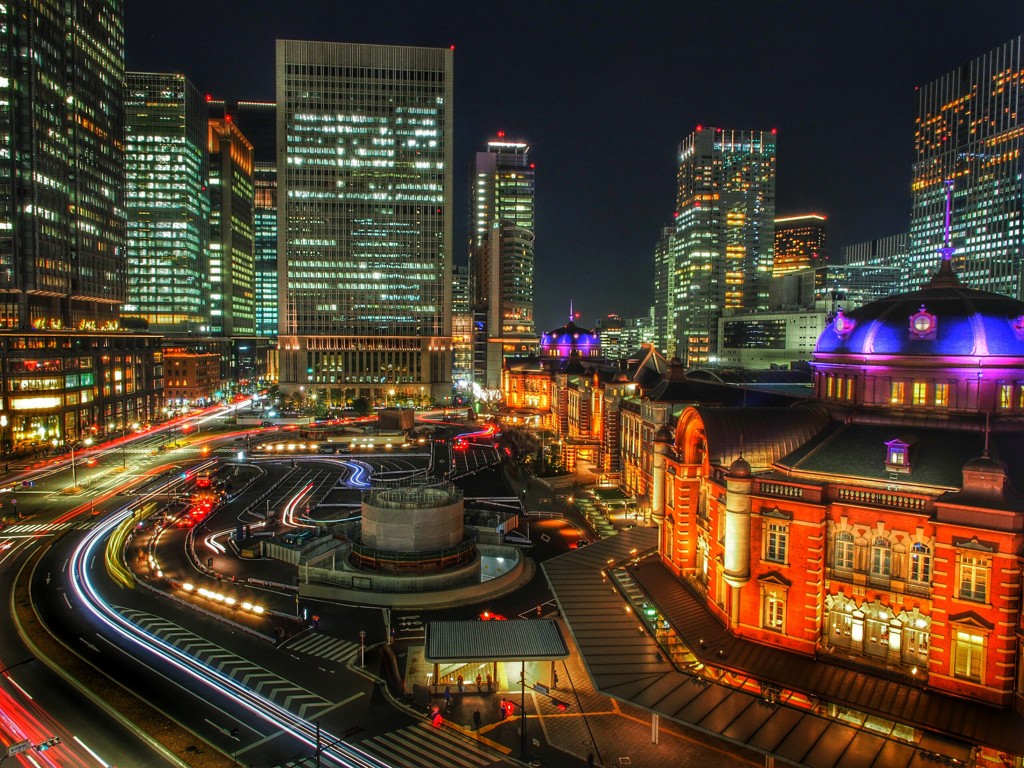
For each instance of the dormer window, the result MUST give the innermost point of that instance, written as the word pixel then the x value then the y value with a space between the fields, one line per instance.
pixel 923 325
pixel 897 454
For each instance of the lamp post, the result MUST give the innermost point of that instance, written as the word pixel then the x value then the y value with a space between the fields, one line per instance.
pixel 74 469
pixel 17 664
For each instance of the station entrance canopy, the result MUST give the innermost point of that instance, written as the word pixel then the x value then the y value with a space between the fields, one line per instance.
pixel 513 640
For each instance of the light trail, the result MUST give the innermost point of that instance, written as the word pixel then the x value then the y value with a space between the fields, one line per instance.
pixel 288 516
pixel 265 710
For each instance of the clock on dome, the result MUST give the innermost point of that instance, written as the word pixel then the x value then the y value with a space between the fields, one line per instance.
pixel 923 325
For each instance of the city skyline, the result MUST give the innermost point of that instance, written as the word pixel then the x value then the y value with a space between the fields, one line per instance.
pixel 838 85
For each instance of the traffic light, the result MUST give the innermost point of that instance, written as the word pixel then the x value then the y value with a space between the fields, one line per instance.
pixel 52 742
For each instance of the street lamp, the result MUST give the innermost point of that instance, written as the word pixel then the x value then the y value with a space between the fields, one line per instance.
pixel 74 471
pixel 17 664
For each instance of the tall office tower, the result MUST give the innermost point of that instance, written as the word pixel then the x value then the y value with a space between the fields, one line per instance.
pixel 365 219
pixel 888 251
pixel 722 247
pixel 167 202
pixel 61 128
pixel 258 121
pixel 970 130
pixel 462 334
pixel 501 253
pixel 799 243
pixel 664 294
pixel 67 371
pixel 232 268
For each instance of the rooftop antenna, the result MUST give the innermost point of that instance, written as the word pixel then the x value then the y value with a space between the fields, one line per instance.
pixel 945 276
pixel 570 311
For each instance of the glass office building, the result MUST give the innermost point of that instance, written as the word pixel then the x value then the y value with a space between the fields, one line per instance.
pixel 721 250
pixel 365 220
pixel 799 243
pixel 168 205
pixel 501 254
pixel 970 130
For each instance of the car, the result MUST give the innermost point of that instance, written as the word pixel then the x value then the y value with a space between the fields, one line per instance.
pixel 266 423
pixel 581 542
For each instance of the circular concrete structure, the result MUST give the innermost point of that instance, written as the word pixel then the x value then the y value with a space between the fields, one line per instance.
pixel 412 519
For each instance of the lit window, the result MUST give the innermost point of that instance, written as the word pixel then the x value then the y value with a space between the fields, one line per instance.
pixel 969 655
pixel 920 393
pixel 973 578
pixel 843 558
pixel 942 394
pixel 881 559
pixel 920 564
pixel 1006 396
pixel 849 389
pixel 774 617
pixel 896 393
pixel 776 542
pixel 916 639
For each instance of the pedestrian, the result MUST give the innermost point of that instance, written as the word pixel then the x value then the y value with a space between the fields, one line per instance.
pixel 501 706
pixel 540 611
pixel 316 622
pixel 437 718
pixel 554 680
pixel 447 697
pixel 462 687
pixel 490 683
pixel 476 719
pixel 479 680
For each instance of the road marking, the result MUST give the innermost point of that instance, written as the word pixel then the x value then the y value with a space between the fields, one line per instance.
pixel 68 601
pixel 96 757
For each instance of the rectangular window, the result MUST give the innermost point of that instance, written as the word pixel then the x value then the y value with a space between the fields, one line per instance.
pixel 896 393
pixel 942 394
pixel 849 389
pixel 920 393
pixel 1006 396
pixel 828 386
pixel 974 578
pixel 774 611
pixel 969 656
pixel 776 542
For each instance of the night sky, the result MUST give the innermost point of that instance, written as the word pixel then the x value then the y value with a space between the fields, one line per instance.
pixel 603 92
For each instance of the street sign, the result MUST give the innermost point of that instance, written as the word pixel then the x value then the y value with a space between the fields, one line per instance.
pixel 21 746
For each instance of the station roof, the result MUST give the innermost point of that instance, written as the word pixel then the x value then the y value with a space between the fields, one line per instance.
pixel 513 640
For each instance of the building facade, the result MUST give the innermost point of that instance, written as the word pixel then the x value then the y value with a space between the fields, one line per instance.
pixel 877 526
pixel 501 253
pixel 167 203
pixel 232 261
pixel 721 251
pixel 365 218
pixel 888 251
pixel 970 130
pixel 258 121
pixel 799 243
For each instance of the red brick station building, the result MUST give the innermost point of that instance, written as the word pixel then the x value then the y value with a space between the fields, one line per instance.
pixel 835 582
pixel 877 525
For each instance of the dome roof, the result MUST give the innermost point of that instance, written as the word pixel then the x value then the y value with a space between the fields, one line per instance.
pixel 740 468
pixel 664 434
pixel 943 318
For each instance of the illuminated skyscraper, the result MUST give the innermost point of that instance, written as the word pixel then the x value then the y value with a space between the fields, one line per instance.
pixel 501 253
pixel 168 203
pixel 67 369
pixel 232 269
pixel 61 192
pixel 258 121
pixel 970 129
pixel 365 219
pixel 721 252
pixel 799 243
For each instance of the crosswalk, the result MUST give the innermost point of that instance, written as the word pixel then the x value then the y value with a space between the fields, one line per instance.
pixel 322 646
pixel 279 690
pixel 25 528
pixel 421 746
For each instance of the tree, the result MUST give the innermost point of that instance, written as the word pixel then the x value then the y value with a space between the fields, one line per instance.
pixel 361 406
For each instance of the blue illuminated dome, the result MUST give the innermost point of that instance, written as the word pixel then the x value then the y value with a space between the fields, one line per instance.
pixel 944 319
pixel 570 338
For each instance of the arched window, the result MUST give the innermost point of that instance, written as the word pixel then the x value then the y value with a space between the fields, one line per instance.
pixel 842 559
pixel 920 565
pixel 840 623
pixel 881 559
